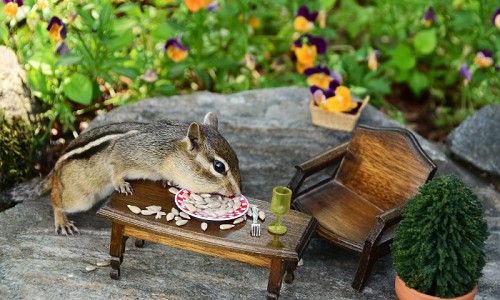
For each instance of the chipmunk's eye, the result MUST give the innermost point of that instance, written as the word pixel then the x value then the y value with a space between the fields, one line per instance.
pixel 219 167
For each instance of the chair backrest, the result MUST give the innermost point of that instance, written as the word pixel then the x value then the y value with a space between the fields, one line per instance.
pixel 385 166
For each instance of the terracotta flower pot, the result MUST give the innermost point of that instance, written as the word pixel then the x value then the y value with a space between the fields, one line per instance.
pixel 406 293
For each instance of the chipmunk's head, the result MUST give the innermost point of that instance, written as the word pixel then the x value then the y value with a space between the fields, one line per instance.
pixel 213 164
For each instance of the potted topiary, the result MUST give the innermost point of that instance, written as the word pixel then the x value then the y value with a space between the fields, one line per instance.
pixel 438 248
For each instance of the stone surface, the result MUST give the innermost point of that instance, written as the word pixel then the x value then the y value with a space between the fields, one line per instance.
pixel 270 131
pixel 15 98
pixel 477 141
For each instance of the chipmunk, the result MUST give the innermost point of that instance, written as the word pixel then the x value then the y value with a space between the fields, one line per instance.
pixel 192 156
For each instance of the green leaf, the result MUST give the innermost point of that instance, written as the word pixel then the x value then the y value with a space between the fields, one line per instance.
pixel 425 41
pixel 4 33
pixel 69 60
pixel 165 89
pixel 79 89
pixel 418 82
pixel 403 57
pixel 121 42
pixel 176 70
pixel 131 73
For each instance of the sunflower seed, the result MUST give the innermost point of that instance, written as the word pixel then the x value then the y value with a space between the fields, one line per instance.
pixel 238 220
pixel 226 226
pixel 175 211
pixel 181 222
pixel 134 209
pixel 160 214
pixel 206 195
pixel 147 212
pixel 103 263
pixel 262 215
pixel 90 268
pixel 190 206
pixel 173 190
pixel 177 218
pixel 204 226
pixel 184 215
pixel 154 208
pixel 170 216
pixel 196 197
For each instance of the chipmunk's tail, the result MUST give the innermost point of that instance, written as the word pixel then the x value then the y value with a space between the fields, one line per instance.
pixel 45 185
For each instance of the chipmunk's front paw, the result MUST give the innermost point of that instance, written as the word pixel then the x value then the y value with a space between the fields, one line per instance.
pixel 124 188
pixel 67 229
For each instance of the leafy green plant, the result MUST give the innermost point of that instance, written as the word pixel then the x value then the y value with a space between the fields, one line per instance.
pixel 439 245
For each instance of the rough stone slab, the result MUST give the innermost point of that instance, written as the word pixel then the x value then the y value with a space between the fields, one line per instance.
pixel 271 132
pixel 15 98
pixel 477 140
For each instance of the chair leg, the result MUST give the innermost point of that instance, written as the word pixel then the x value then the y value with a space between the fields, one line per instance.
pixel 365 267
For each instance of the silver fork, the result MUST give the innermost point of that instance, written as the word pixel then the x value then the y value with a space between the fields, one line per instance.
pixel 255 229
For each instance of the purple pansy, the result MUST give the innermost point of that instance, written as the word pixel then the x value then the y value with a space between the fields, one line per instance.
pixel 304 12
pixel 319 42
pixel 176 43
pixel 18 2
pixel 56 29
pixel 465 72
pixel 429 16
pixel 496 18
pixel 213 6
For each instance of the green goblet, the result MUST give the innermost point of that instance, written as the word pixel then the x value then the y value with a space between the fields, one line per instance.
pixel 280 205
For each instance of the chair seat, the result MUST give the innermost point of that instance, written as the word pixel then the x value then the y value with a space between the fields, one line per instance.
pixel 342 215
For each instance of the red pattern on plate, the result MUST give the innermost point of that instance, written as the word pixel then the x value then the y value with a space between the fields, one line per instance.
pixel 181 196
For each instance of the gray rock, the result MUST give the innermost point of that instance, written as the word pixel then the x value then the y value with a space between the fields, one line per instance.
pixel 15 98
pixel 270 131
pixel 477 140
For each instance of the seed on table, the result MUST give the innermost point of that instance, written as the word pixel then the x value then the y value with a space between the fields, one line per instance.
pixel 175 211
pixel 204 226
pixel 160 214
pixel 173 190
pixel 170 216
pixel 177 218
pixel 238 220
pixel 147 212
pixel 181 222
pixel 262 215
pixel 154 208
pixel 184 215
pixel 134 209
pixel 226 226
pixel 90 268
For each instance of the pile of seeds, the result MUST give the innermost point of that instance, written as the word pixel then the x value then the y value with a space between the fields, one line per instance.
pixel 207 205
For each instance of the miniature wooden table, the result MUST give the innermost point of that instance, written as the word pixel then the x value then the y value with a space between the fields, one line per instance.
pixel 279 254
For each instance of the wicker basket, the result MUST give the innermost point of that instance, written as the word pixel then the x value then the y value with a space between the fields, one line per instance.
pixel 333 120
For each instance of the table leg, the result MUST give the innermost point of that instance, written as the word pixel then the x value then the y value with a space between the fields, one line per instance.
pixel 275 279
pixel 116 249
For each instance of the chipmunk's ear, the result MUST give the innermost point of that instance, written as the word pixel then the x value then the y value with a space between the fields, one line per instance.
pixel 194 137
pixel 211 119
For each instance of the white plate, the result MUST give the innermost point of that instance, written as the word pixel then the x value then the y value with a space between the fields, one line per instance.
pixel 180 197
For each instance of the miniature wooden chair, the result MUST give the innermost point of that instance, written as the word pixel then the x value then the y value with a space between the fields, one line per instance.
pixel 359 204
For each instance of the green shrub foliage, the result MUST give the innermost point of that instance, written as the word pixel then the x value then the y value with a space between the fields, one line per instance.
pixel 439 245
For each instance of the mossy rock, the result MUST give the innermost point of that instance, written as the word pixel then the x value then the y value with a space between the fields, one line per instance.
pixel 16 151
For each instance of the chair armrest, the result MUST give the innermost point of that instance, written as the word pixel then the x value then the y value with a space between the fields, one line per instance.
pixel 384 221
pixel 316 164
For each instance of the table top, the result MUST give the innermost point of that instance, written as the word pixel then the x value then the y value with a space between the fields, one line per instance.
pixel 237 239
